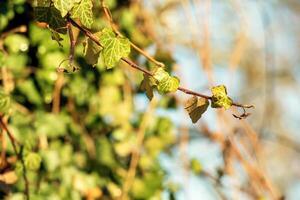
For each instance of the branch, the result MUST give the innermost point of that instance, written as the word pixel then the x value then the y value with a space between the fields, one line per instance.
pixel 18 154
pixel 147 72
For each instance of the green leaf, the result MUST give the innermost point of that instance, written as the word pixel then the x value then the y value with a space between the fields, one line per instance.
pixel 51 16
pixel 64 6
pixel 165 82
pixel 2 58
pixel 146 86
pixel 32 161
pixel 220 98
pixel 114 47
pixel 83 11
pixel 196 107
pixel 92 50
pixel 43 3
pixel 196 166
pixel 4 102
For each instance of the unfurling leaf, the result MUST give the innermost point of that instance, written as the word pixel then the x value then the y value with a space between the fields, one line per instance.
pixel 220 98
pixel 32 161
pixel 114 47
pixel 4 102
pixel 146 86
pixel 165 83
pixel 92 50
pixel 55 36
pixel 51 16
pixel 83 11
pixel 196 107
pixel 64 6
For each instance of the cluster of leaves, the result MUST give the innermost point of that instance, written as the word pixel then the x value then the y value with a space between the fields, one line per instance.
pixel 84 150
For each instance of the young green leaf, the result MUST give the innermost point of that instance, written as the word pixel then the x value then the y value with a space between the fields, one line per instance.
pixel 4 102
pixel 196 107
pixel 55 36
pixel 220 98
pixel 196 166
pixel 165 82
pixel 64 6
pixel 114 47
pixel 92 50
pixel 146 86
pixel 83 11
pixel 32 161
pixel 51 16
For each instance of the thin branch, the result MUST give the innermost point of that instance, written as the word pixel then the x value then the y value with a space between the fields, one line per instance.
pixel 145 71
pixel 18 154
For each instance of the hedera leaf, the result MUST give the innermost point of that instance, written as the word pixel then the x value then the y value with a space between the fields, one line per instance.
pixel 114 47
pixel 4 102
pixel 32 161
pixel 64 6
pixel 196 166
pixel 146 86
pixel 43 3
pixel 165 82
pixel 51 16
pixel 220 98
pixel 83 11
pixel 92 50
pixel 196 107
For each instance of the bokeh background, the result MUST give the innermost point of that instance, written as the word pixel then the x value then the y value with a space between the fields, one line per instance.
pixel 85 124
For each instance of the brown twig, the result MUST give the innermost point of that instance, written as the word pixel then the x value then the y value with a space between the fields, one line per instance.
pixel 145 71
pixel 14 143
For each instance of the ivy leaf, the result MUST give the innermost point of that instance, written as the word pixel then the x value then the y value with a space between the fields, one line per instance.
pixel 196 166
pixel 196 107
pixel 83 11
pixel 146 86
pixel 92 50
pixel 4 102
pixel 165 82
pixel 220 98
pixel 43 3
pixel 114 47
pixel 64 6
pixel 51 16
pixel 32 161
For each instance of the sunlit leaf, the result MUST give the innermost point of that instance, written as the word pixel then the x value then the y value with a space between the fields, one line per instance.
pixel 32 161
pixel 196 107
pixel 196 166
pixel 165 83
pixel 64 6
pixel 114 47
pixel 83 11
pixel 220 98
